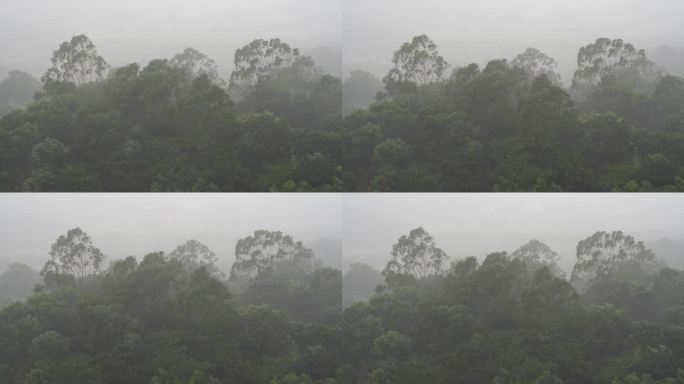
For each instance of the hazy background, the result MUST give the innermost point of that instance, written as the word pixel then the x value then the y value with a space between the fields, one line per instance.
pixel 478 224
pixel 136 224
pixel 128 31
pixel 368 31
pixel 478 31
pixel 364 226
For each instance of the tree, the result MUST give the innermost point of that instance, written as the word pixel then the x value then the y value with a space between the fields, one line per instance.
pixel 535 63
pixel 17 91
pixel 606 57
pixel 17 283
pixel 417 255
pixel 260 59
pixel 76 61
pixel 359 91
pixel 194 64
pixel 260 252
pixel 536 255
pixel 604 253
pixel 418 62
pixel 194 255
pixel 359 283
pixel 74 254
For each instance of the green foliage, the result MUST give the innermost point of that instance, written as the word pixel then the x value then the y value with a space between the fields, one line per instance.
pixel 264 250
pixel 73 254
pixel 508 319
pixel 76 61
pixel 415 255
pixel 416 62
pixel 283 125
pixel 17 91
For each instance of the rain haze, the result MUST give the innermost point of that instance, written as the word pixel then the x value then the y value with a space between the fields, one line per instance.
pixel 478 224
pixel 129 31
pixel 136 224
pixel 479 31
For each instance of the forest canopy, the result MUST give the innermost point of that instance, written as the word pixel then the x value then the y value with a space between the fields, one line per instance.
pixel 505 318
pixel 280 123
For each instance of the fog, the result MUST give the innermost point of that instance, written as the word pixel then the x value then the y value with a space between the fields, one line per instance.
pixel 135 224
pixel 368 30
pixel 478 31
pixel 368 224
pixel 128 31
pixel 478 224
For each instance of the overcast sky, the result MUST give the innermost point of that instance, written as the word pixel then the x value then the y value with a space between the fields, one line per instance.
pixel 368 30
pixel 478 224
pixel 478 31
pixel 135 224
pixel 139 30
pixel 368 224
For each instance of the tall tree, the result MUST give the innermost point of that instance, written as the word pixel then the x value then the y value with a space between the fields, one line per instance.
pixel 606 57
pixel 76 61
pixel 194 255
pixel 605 253
pixel 535 63
pixel 417 61
pixel 260 252
pixel 74 254
pixel 195 63
pixel 17 91
pixel 416 254
pixel 536 255
pixel 259 59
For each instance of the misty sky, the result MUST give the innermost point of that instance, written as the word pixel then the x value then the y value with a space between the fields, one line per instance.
pixel 368 224
pixel 477 31
pixel 367 30
pixel 478 224
pixel 139 30
pixel 135 224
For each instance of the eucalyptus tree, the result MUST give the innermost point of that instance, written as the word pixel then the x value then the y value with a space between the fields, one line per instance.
pixel 195 255
pixel 195 63
pixel 418 62
pixel 259 59
pixel 605 58
pixel 74 254
pixel 417 255
pixel 535 254
pixel 76 61
pixel 605 254
pixel 536 63
pixel 264 250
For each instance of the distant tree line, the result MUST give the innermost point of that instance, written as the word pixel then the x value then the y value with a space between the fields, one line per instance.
pixel 279 123
pixel 279 317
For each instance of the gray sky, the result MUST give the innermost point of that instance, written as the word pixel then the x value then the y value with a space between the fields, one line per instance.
pixel 139 30
pixel 368 30
pixel 135 224
pixel 477 31
pixel 478 224
pixel 368 224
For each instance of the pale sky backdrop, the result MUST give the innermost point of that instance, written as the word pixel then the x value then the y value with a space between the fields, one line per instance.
pixel 478 224
pixel 135 224
pixel 128 31
pixel 368 224
pixel 478 31
pixel 368 31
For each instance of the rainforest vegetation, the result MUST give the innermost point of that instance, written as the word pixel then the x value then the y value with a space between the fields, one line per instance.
pixel 280 123
pixel 280 317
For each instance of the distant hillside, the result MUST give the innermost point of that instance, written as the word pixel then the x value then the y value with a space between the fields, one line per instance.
pixel 328 58
pixel 670 251
pixel 17 90
pixel 328 251
pixel 670 58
